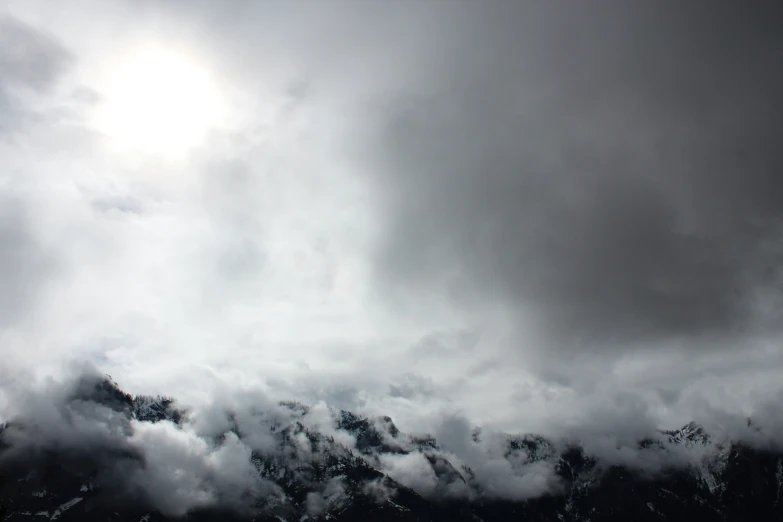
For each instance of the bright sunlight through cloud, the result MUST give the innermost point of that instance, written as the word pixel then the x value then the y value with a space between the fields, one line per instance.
pixel 157 102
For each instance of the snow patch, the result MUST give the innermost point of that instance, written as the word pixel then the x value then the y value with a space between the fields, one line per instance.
pixel 65 507
pixel 397 505
pixel 651 506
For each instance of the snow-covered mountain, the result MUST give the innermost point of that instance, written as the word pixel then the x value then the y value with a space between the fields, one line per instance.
pixel 346 467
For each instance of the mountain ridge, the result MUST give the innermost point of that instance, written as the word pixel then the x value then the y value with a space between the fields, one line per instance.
pixel 358 468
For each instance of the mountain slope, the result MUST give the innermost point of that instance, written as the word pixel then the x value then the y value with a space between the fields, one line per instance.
pixel 349 469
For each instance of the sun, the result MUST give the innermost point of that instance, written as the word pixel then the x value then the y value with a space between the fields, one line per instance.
pixel 157 102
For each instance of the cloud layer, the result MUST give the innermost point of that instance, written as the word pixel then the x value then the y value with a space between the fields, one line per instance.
pixel 539 218
pixel 245 453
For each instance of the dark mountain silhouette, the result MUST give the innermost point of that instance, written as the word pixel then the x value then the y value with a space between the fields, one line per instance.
pixel 338 483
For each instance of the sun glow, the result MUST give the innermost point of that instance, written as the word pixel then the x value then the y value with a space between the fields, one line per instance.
pixel 157 102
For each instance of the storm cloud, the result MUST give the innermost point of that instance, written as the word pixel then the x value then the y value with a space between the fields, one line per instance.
pixel 611 171
pixel 555 218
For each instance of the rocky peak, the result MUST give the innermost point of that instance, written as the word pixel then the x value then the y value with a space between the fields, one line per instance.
pixel 691 434
pixel 156 409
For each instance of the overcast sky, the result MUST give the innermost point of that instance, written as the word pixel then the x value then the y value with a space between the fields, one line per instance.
pixel 528 213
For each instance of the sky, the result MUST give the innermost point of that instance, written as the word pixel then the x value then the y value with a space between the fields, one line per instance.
pixel 536 216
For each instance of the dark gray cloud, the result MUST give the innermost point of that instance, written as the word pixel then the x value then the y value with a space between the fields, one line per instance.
pixel 611 169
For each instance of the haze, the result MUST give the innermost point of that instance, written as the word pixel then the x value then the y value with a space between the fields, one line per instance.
pixel 529 214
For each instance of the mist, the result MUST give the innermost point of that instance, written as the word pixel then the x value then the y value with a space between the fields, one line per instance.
pixel 535 219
